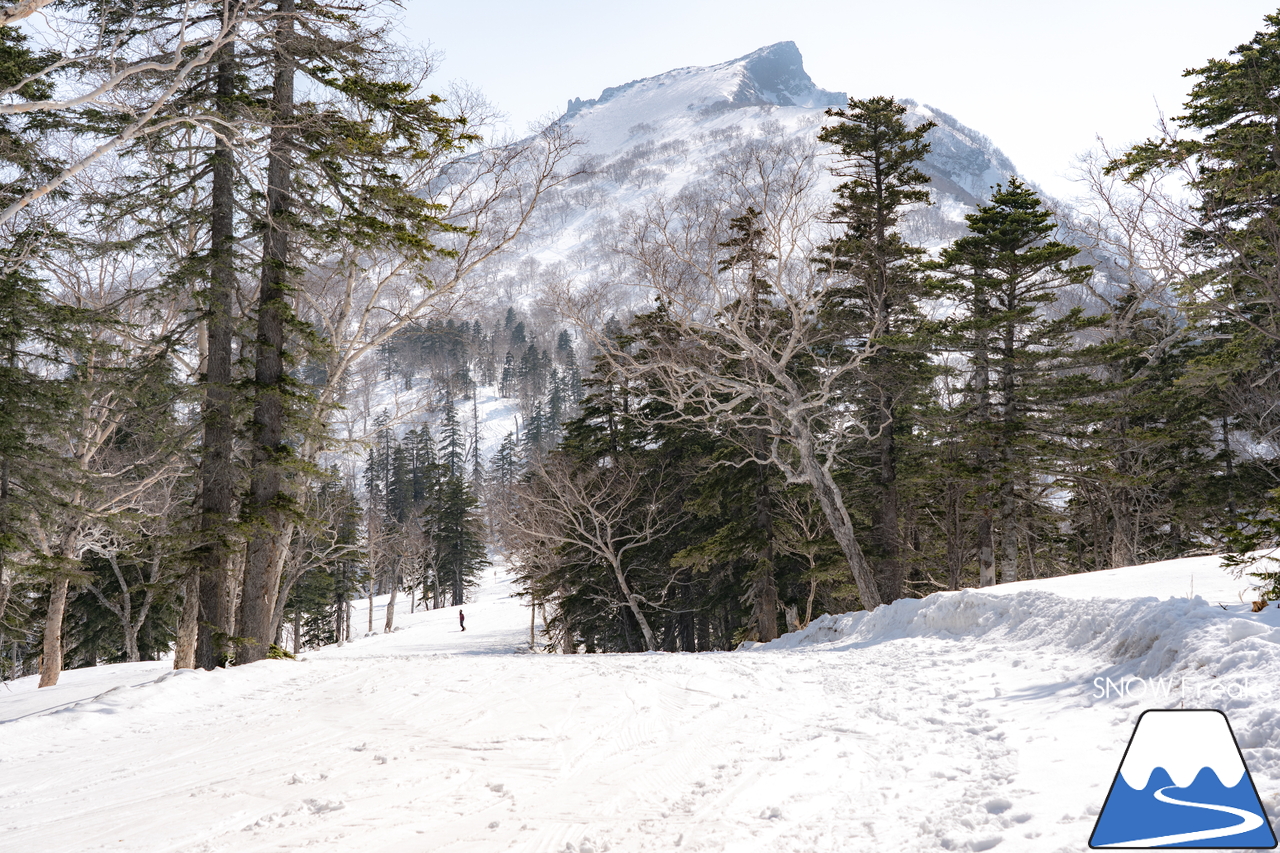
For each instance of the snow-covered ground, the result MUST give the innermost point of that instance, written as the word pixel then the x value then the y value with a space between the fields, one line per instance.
pixel 965 721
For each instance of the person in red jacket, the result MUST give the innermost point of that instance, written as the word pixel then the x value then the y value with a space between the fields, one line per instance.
pixel 462 621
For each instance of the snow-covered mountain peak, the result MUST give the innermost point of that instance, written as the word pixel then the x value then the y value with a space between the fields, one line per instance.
pixel 770 76
pixel 776 75
pixel 660 136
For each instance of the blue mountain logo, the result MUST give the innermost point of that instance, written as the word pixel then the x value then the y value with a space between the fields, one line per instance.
pixel 1183 783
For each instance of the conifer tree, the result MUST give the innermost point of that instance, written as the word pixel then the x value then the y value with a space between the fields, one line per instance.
pixel 875 295
pixel 1231 162
pixel 33 328
pixel 460 534
pixel 453 444
pixel 1021 350
pixel 749 254
pixel 362 205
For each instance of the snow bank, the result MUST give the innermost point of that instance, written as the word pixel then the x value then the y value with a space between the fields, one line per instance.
pixel 1153 635
pixel 1135 653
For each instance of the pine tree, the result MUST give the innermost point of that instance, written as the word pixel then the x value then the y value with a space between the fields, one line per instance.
pixel 875 297
pixel 1021 351
pixel 1231 161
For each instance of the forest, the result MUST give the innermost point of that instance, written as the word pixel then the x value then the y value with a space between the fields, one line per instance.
pixel 262 303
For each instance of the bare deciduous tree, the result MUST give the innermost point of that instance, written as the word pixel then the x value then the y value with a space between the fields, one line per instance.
pixel 135 70
pixel 729 357
pixel 608 511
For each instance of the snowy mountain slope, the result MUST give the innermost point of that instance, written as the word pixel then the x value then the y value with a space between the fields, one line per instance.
pixel 664 134
pixel 488 421
pixel 963 722
pixel 671 103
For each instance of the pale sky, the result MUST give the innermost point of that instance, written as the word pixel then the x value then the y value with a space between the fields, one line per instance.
pixel 1041 79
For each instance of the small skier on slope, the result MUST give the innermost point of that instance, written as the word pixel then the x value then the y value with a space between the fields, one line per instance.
pixel 462 620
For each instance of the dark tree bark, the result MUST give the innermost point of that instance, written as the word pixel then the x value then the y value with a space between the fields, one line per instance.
pixel 766 584
pixel 982 414
pixel 887 531
pixel 266 503
pixel 217 468
pixel 6 586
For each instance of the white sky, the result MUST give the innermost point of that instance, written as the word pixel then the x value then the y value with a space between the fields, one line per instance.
pixel 1041 79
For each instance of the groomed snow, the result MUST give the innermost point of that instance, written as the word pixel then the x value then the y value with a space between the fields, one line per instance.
pixel 966 721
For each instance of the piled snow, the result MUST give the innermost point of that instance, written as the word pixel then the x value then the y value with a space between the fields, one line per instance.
pixel 967 721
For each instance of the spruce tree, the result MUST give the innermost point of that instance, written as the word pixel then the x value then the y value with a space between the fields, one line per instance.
pixel 453 444
pixel 1231 160
pixel 460 534
pixel 749 256
pixel 874 297
pixel 34 329
pixel 1023 354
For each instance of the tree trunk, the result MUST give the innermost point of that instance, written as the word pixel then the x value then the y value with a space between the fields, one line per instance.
pixel 982 415
pixel 1008 492
pixel 391 603
pixel 1008 529
pixel 765 587
pixel 217 467
pixel 5 584
pixel 888 535
pixel 633 603
pixel 288 579
pixel 267 490
pixel 1122 498
pixel 51 660
pixel 808 606
pixel 1124 545
pixel 832 503
pixel 184 647
pixel 1230 469
pixel 5 587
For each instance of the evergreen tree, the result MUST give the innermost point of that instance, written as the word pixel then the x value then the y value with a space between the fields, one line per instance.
pixel 749 255
pixel 34 329
pixel 460 534
pixel 1023 354
pixel 507 384
pixel 875 298
pixel 453 444
pixel 1231 160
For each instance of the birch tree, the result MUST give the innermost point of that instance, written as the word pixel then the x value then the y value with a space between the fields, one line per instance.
pixel 609 512
pixel 119 70
pixel 737 361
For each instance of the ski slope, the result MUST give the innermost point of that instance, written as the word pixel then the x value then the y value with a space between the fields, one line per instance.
pixel 962 722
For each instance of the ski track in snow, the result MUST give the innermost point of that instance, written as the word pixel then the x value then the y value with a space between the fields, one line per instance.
pixel 965 722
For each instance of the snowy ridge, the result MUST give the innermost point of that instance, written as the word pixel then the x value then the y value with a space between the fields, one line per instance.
pixel 770 76
pixel 663 135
